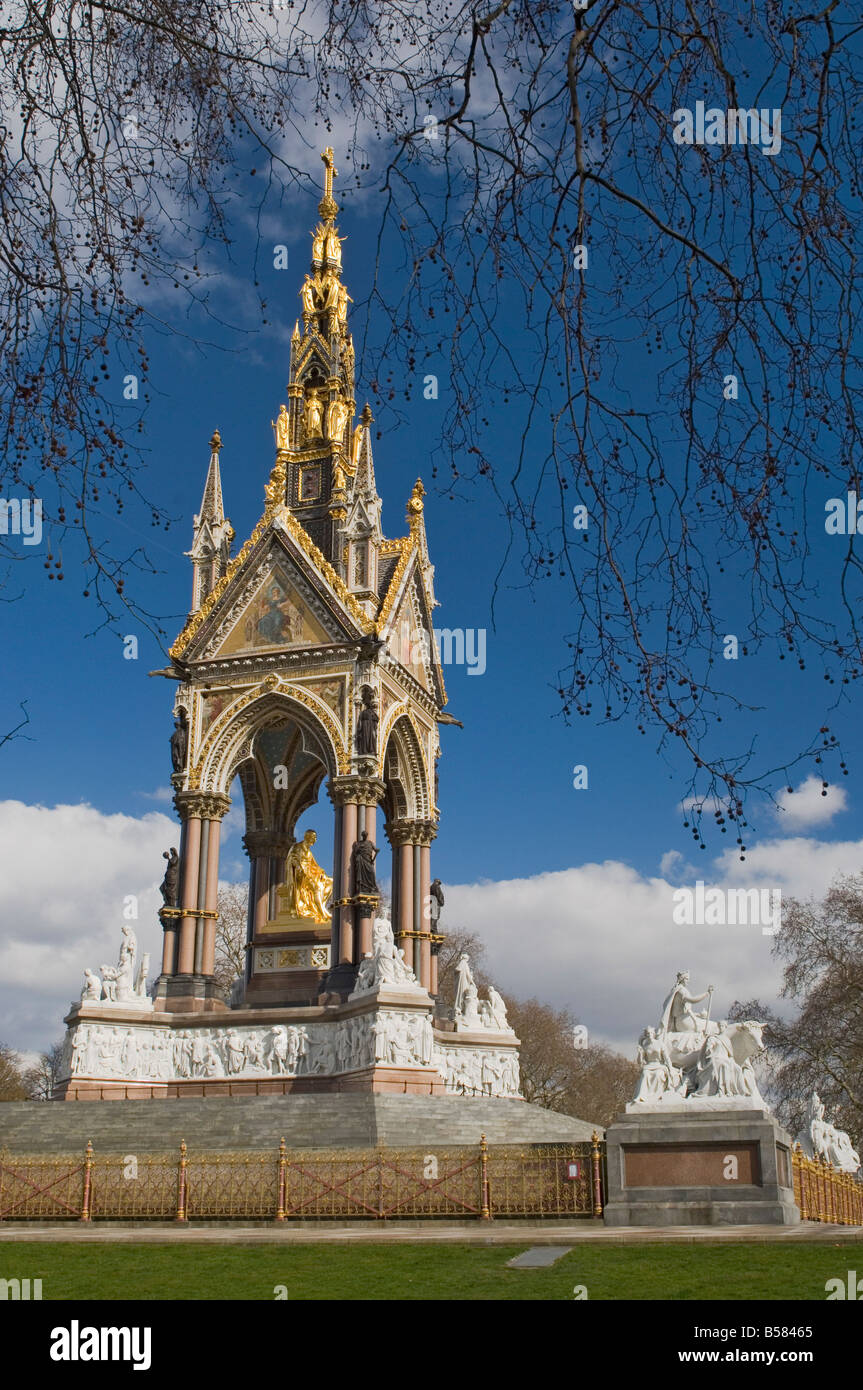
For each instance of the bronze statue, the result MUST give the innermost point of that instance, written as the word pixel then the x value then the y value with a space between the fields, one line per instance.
pixel 179 742
pixel 363 856
pixel 366 737
pixel 170 885
pixel 436 901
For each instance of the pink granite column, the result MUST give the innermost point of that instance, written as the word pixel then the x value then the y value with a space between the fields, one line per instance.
pixel 169 948
pixel 211 899
pixel 406 899
pixel 418 909
pixel 424 976
pixel 191 864
pixel 262 891
pixel 346 931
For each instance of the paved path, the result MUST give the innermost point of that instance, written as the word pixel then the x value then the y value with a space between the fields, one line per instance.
pixel 425 1232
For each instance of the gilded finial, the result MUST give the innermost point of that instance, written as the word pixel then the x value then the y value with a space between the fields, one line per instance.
pixel 367 416
pixel 415 504
pixel 328 207
pixel 215 442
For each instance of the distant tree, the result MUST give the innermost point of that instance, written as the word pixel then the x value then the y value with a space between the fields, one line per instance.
pixel 41 1079
pixel 231 934
pixel 593 1083
pixel 454 943
pixel 820 1047
pixel 12 1075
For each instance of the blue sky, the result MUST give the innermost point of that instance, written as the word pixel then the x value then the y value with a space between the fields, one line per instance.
pixel 99 727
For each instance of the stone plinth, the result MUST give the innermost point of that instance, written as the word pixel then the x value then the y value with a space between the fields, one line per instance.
pixel 707 1168
pixel 328 1121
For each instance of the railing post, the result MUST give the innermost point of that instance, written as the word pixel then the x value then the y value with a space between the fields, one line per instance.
pixel 485 1202
pixel 283 1169
pixel 596 1165
pixel 181 1184
pixel 86 1195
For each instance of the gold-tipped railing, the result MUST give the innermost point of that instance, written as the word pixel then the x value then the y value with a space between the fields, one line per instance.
pixel 824 1193
pixel 479 1182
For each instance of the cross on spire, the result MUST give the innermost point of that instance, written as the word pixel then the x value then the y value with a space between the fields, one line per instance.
pixel 328 207
pixel 328 157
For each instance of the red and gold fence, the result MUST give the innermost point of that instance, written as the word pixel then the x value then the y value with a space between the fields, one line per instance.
pixel 479 1182
pixel 824 1193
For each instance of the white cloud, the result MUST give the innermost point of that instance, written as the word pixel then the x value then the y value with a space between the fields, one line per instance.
pixel 599 938
pixel 62 897
pixel 163 794
pixel 810 804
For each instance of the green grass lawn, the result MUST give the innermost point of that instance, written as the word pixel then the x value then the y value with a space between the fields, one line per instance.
pixel 360 1270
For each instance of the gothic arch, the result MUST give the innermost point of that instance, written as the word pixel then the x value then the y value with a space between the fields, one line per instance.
pixel 405 773
pixel 229 741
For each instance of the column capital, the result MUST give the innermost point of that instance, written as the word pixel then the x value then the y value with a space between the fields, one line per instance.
pixel 411 832
pixel 258 842
pixel 364 791
pixel 201 805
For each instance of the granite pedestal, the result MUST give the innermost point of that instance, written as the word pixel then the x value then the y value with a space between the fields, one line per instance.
pixel 682 1168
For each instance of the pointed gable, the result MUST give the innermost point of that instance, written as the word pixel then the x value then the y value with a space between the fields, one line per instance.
pixel 278 587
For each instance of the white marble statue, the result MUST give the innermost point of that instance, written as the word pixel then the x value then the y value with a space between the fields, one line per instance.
pixel 92 985
pixel 821 1139
pixel 463 980
pixel 124 983
pixel 472 1014
pixel 692 1062
pixel 383 965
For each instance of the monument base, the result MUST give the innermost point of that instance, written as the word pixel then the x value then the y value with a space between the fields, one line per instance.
pixel 713 1168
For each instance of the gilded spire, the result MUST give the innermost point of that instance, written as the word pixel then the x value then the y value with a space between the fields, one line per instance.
pixel 325 299
pixel 361 456
pixel 328 207
pixel 212 506
pixel 213 534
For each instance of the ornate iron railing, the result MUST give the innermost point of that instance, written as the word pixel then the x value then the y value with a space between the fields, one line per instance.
pixel 823 1193
pixel 478 1182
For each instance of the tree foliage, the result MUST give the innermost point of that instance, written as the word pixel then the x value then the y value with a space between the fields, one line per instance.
pixel 818 1047
pixel 558 1071
pixel 499 137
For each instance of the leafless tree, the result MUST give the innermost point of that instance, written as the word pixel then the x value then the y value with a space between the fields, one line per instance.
pixel 41 1079
pixel 505 135
pixel 591 1082
pixel 557 1071
pixel 230 961
pixel 820 1046
pixel 12 1073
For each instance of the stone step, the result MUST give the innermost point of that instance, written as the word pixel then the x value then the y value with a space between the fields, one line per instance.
pixel 259 1122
